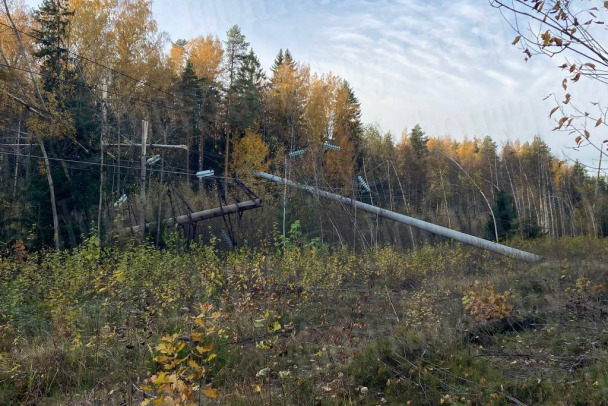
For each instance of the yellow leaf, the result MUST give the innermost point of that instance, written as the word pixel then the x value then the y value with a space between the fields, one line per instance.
pixel 204 349
pixel 276 326
pixel 162 347
pixel 193 364
pixel 161 358
pixel 516 40
pixel 196 336
pixel 211 393
pixel 161 378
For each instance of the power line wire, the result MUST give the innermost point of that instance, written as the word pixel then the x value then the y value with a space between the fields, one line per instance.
pixel 95 62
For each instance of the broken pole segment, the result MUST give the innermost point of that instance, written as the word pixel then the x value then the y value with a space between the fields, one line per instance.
pixel 410 221
pixel 204 215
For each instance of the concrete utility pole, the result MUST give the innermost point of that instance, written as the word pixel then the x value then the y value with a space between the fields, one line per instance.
pixel 185 148
pixel 142 196
pixel 423 225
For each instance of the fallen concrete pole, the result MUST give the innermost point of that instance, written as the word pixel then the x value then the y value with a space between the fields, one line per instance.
pixel 410 221
pixel 203 215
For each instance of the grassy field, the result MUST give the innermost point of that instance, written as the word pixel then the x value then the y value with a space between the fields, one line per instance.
pixel 443 324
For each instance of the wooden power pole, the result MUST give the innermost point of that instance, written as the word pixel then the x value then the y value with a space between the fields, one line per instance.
pixel 142 196
pixel 104 126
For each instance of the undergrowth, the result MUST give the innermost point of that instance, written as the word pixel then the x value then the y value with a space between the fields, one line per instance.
pixel 299 323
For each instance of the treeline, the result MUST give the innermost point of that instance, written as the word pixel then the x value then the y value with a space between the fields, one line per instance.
pixel 78 78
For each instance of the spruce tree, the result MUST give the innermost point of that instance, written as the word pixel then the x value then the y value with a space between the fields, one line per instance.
pixel 289 60
pixel 418 140
pixel 278 61
pixel 235 51
pixel 53 18
pixel 247 90
pixel 190 90
pixel 506 216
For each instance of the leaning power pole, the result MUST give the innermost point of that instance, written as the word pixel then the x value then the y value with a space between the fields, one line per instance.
pixel 142 196
pixel 423 225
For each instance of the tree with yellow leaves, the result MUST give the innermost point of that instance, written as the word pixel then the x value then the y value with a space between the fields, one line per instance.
pixel 250 153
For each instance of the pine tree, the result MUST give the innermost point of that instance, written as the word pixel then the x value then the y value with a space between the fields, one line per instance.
pixel 235 52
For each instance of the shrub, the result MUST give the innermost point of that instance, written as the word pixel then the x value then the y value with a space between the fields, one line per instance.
pixel 484 304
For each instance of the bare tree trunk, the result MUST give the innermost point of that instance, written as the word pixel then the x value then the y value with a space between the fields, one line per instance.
pixel 445 200
pixel 118 157
pixel 226 154
pixel 49 178
pixel 403 197
pixel 201 148
pixel 189 144
pixel 482 194
pixel 17 158
pixel 515 197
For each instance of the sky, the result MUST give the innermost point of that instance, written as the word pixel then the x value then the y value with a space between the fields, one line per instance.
pixel 447 65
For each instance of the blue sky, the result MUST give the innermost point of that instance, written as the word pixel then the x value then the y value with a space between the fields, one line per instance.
pixel 445 64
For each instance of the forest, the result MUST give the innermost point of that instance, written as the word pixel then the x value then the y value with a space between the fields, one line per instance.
pixel 107 124
pixel 77 88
